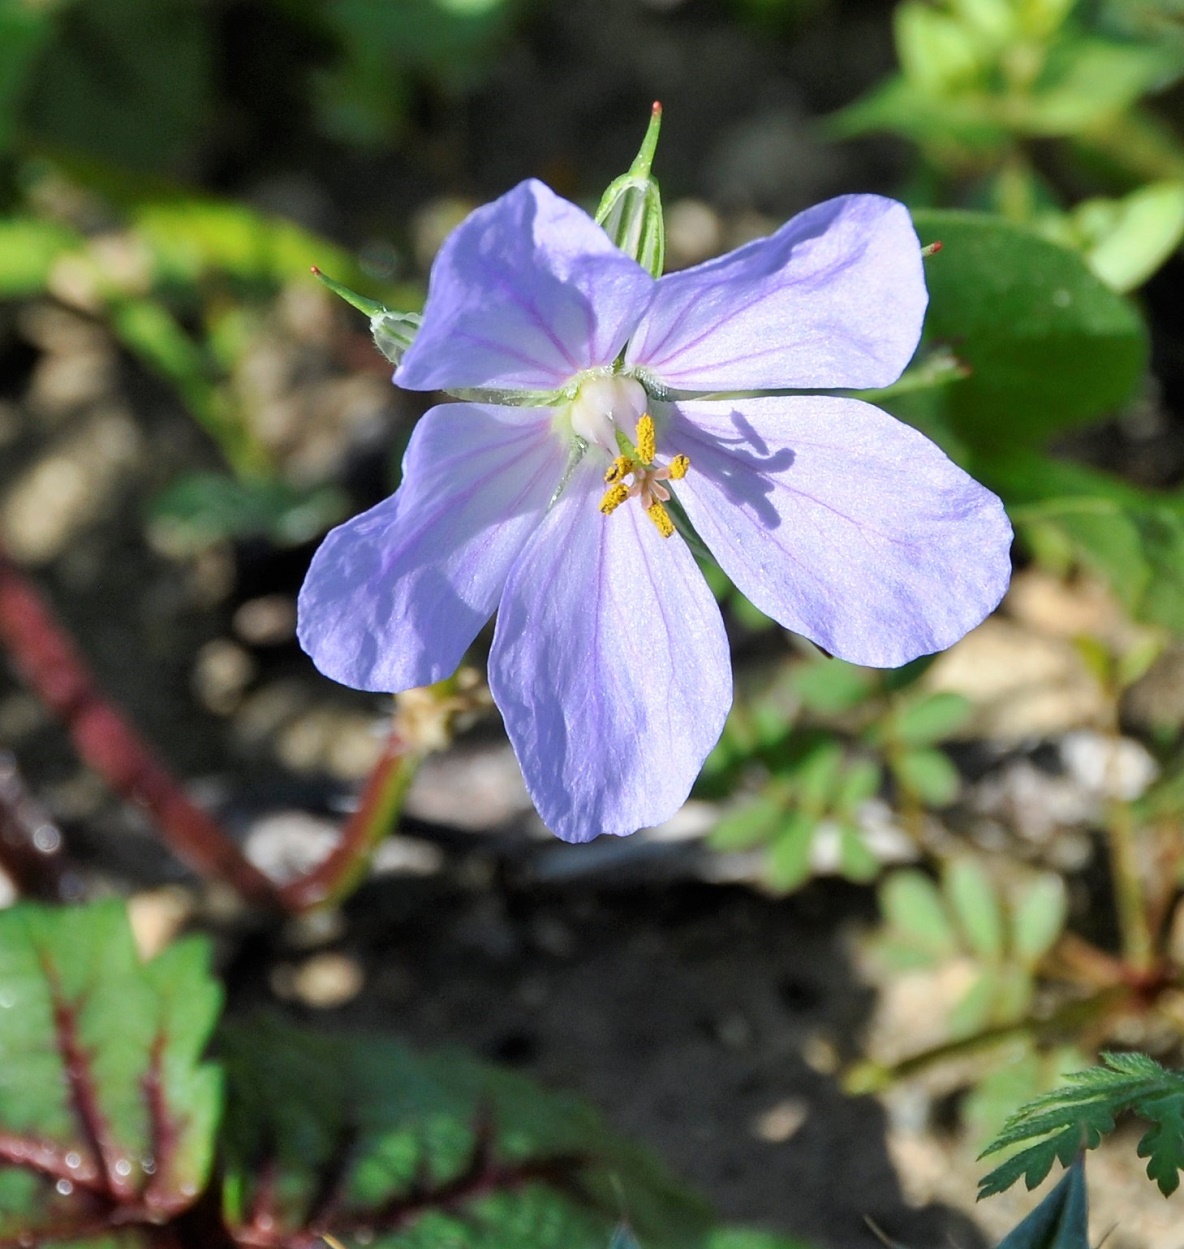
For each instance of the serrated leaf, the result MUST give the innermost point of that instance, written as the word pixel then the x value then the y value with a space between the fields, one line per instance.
pixel 1081 1113
pixel 100 1075
pixel 1163 1144
pixel 1049 346
pixel 1038 918
pixel 394 1148
pixel 1060 1221
pixel 976 907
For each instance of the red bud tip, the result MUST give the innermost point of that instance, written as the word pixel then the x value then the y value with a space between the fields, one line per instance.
pixel 932 248
pixel 657 108
pixel 314 271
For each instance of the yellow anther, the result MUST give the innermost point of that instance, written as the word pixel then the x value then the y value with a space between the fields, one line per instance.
pixel 661 518
pixel 614 496
pixel 679 466
pixel 622 466
pixel 647 441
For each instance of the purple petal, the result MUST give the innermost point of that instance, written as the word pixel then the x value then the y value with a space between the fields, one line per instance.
pixel 842 523
pixel 525 293
pixel 835 298
pixel 394 597
pixel 610 666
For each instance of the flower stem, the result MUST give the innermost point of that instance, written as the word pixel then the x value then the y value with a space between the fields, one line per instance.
pixel 336 876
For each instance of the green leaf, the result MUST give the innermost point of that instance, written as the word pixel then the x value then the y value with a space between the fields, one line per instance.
pixel 963 123
pixel 1049 345
pixel 750 825
pixel 1038 918
pixel 24 31
pixel 385 46
pixel 936 50
pixel 932 718
pixel 856 860
pixel 859 782
pixel 831 686
pixel 102 88
pixel 1127 240
pixel 816 775
pixel 1088 79
pixel 201 509
pixel 1080 1114
pixel 28 249
pixel 1060 1221
pixel 929 774
pixel 1133 539
pixel 975 1009
pixel 1163 1144
pixel 745 1238
pixel 101 1078
pixel 427 1150
pixel 913 909
pixel 975 905
pixel 788 864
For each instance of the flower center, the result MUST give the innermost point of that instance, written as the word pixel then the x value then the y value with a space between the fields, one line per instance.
pixel 604 404
pixel 648 477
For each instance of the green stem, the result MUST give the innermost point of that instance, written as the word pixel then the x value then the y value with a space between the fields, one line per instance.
pixel 1137 946
pixel 1069 1019
pixel 340 872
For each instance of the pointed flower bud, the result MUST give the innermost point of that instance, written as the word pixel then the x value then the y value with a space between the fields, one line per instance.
pixel 631 209
pixel 393 332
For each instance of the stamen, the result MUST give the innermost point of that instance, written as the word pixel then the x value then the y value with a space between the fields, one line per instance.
pixel 614 496
pixel 661 518
pixel 647 441
pixel 679 466
pixel 622 466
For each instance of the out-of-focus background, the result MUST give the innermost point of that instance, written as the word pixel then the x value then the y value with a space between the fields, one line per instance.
pixel 883 885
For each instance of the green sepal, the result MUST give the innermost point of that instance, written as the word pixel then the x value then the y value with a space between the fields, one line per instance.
pixel 631 209
pixel 392 332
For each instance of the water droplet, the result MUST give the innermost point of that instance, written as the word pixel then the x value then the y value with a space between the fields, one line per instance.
pixel 123 1167
pixel 73 1160
pixel 47 839
pixel 64 1187
pixel 148 1164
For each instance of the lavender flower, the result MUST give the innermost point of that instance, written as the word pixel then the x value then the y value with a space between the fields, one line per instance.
pixel 549 499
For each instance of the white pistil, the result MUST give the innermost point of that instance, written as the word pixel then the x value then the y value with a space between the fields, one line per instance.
pixel 602 405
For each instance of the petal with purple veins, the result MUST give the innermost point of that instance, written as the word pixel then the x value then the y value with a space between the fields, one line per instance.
pixel 610 666
pixel 835 298
pixel 842 523
pixel 525 293
pixel 394 597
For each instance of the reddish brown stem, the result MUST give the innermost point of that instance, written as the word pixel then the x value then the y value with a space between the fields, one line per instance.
pixel 56 671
